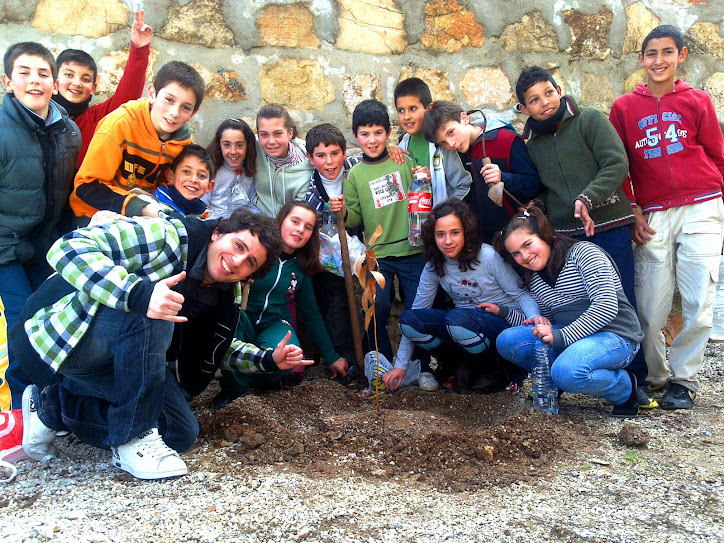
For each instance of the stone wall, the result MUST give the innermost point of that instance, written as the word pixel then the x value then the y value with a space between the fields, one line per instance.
pixel 321 57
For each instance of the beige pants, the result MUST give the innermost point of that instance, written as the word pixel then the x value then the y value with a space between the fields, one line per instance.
pixel 686 248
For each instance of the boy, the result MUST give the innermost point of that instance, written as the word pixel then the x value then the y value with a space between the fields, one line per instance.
pixel 449 178
pixel 38 149
pixel 448 125
pixel 326 149
pixel 133 145
pixel 109 334
pixel 376 194
pixel 582 165
pixel 77 82
pixel 675 150
pixel 189 178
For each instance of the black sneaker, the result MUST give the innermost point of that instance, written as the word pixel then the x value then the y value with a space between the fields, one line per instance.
pixel 630 408
pixel 678 397
pixel 646 401
pixel 225 397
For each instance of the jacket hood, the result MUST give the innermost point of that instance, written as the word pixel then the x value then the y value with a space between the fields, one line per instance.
pixel 679 86
pixel 140 112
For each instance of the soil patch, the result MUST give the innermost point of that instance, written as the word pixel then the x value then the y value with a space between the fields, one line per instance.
pixel 449 441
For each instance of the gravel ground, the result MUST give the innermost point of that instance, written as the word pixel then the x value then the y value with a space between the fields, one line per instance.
pixel 672 490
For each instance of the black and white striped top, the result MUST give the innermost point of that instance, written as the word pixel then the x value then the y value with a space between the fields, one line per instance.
pixel 587 298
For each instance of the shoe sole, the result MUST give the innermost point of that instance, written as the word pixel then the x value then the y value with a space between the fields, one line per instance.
pixel 25 405
pixel 673 407
pixel 149 475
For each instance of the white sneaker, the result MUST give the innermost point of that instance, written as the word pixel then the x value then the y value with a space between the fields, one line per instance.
pixel 37 437
pixel 427 382
pixel 148 457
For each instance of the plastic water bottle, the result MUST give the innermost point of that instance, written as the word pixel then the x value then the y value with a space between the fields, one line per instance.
pixel 545 393
pixel 419 202
pixel 329 222
pixel 717 331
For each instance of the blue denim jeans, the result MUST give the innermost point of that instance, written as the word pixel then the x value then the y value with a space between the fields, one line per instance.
pixel 115 385
pixel 617 242
pixel 593 365
pixel 17 282
pixel 408 270
pixel 472 329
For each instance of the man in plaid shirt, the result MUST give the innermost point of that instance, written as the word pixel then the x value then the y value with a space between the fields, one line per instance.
pixel 130 294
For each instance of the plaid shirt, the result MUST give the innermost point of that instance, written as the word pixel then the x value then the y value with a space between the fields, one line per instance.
pixel 105 263
pixel 316 193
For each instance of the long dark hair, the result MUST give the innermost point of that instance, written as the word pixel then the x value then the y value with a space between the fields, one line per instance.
pixel 307 256
pixel 534 221
pixel 214 148
pixel 468 256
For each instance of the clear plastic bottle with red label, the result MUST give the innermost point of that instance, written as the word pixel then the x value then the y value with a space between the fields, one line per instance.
pixel 419 205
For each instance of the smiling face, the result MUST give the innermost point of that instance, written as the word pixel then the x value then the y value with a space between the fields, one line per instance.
pixel 233 148
pixel 233 257
pixel 528 250
pixel 328 160
pixel 76 83
pixel 449 236
pixel 542 101
pixel 372 139
pixel 457 136
pixel 660 61
pixel 171 108
pixel 191 178
pixel 31 81
pixel 410 113
pixel 297 228
pixel 274 137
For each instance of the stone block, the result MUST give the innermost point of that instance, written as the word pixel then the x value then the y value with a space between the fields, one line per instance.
pixel 16 11
pixel 589 33
pixel 373 26
pixel 222 85
pixel 715 87
pixel 450 27
pixel 111 67
pixel 532 33
pixel 639 22
pixel 92 19
pixel 200 22
pixel 437 81
pixel 704 39
pixel 360 87
pixel 634 80
pixel 596 92
pixel 299 84
pixel 287 26
pixel 487 86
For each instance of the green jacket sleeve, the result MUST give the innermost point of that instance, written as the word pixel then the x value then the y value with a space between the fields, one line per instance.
pixel 607 147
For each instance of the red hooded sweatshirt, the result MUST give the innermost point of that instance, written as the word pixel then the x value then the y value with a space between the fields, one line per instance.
pixel 674 145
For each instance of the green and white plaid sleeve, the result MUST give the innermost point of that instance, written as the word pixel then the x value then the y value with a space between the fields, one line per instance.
pixel 247 358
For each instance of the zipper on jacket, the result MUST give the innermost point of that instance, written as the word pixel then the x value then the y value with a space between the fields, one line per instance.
pixel 158 161
pixel 266 299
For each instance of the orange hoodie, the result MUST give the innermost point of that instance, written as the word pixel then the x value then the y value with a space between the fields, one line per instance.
pixel 125 153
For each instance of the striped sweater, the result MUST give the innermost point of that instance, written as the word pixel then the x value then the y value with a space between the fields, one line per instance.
pixel 587 298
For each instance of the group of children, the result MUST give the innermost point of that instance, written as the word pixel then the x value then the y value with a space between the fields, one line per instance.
pixel 651 175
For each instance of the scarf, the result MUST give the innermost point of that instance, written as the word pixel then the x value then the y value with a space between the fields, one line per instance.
pixel 74 110
pixel 550 125
pixel 295 156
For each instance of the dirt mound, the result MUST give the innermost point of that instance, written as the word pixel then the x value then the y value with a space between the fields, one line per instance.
pixel 446 440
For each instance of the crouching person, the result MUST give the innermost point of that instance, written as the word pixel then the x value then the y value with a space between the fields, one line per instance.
pixel 95 337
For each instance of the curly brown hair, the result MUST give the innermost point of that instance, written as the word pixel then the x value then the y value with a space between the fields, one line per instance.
pixel 468 256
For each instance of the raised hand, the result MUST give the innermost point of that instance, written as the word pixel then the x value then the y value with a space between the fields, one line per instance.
pixel 140 32
pixel 166 303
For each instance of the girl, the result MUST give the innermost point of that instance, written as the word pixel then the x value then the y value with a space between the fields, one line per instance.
pixel 234 157
pixel 487 293
pixel 288 280
pixel 283 170
pixel 595 332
